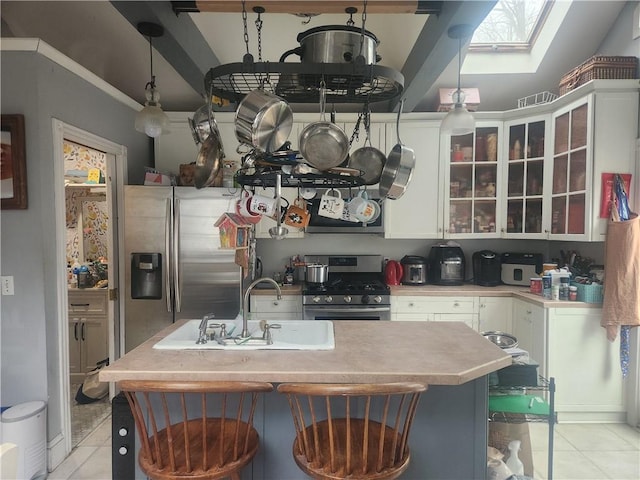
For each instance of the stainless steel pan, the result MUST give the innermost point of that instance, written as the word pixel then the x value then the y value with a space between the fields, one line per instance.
pixel 323 144
pixel 263 120
pixel 368 159
pixel 398 169
pixel 208 161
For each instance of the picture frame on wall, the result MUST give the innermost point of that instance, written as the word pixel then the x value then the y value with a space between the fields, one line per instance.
pixel 13 163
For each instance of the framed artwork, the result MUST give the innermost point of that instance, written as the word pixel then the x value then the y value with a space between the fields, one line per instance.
pixel 13 164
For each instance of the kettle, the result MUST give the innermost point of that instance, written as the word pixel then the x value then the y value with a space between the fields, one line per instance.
pixel 393 273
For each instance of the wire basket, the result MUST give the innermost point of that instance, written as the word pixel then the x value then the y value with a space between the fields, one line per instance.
pixel 536 99
pixel 599 67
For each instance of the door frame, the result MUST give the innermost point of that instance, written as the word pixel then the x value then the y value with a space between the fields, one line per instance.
pixel 116 164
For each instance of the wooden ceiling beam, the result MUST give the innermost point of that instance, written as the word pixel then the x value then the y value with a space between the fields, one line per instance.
pixel 310 6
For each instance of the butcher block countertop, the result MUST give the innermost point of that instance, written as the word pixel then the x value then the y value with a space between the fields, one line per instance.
pixel 434 353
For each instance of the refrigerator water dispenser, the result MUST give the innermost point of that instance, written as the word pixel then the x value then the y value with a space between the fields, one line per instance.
pixel 146 276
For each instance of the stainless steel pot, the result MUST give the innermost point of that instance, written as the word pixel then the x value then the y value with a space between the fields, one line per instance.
pixel 263 120
pixel 335 44
pixel 316 273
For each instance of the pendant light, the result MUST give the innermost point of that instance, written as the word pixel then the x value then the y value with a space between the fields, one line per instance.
pixel 151 119
pixel 459 120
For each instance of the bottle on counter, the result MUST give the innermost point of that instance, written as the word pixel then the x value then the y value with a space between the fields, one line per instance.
pixel 546 286
pixel 573 293
pixel 564 288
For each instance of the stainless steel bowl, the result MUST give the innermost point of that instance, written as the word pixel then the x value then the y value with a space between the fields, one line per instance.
pixel 501 339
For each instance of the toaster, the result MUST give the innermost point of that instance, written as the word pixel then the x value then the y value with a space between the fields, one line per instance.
pixel 518 268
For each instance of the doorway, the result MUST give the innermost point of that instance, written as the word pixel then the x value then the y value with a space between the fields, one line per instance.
pixel 89 175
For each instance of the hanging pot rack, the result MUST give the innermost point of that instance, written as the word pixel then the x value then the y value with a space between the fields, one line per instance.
pixel 300 82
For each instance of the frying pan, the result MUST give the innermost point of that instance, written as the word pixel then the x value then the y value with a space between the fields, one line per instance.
pixel 208 161
pixel 368 159
pixel 323 144
pixel 398 169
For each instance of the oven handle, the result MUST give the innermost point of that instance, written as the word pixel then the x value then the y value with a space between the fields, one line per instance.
pixel 352 310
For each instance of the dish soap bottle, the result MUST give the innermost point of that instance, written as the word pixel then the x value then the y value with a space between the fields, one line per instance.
pixel 513 462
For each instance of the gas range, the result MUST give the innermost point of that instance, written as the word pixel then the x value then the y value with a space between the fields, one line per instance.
pixel 354 290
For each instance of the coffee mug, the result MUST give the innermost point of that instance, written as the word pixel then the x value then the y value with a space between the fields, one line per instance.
pixel 297 215
pixel 363 209
pixel 331 204
pixel 261 205
pixel 242 208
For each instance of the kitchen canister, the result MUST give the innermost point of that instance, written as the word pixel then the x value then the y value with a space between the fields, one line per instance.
pixel 331 204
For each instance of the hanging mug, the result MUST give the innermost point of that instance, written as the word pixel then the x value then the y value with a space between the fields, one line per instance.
pixel 331 204
pixel 297 215
pixel 242 208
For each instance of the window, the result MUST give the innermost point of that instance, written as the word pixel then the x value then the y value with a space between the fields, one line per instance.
pixel 512 25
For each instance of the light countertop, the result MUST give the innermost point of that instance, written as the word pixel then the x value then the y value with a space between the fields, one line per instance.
pixel 434 353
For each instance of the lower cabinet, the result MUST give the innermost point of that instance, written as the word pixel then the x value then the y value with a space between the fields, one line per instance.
pixel 529 327
pixel 494 314
pixel 586 366
pixel 269 307
pixel 88 331
pixel 439 309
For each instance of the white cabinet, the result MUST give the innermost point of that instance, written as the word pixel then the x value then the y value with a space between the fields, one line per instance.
pixel 529 327
pixel 592 135
pixel 88 324
pixel 472 180
pixel 436 308
pixel 586 367
pixel 417 214
pixel 269 307
pixel 494 314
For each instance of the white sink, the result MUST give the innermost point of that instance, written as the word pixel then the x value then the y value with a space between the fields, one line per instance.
pixel 293 335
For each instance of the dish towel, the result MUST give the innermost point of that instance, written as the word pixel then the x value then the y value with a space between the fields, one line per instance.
pixel 621 303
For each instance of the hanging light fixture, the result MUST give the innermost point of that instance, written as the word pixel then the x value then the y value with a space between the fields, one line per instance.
pixel 151 119
pixel 459 120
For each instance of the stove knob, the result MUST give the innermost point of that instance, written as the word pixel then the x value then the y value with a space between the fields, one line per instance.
pixel 347 299
pixel 315 299
pixel 377 299
pixel 365 299
pixel 328 299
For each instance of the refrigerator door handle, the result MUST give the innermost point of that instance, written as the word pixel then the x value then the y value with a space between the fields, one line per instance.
pixel 176 257
pixel 167 256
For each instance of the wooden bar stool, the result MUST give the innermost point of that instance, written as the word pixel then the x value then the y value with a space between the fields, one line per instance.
pixel 355 431
pixel 194 430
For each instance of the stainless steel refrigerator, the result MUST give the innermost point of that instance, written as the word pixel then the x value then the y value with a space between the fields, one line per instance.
pixel 174 268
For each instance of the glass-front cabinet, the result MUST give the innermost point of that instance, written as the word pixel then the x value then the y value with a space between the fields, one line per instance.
pixel 526 212
pixel 473 180
pixel 570 196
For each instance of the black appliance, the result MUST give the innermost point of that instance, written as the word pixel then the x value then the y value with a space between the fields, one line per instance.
pixel 355 289
pixel 487 268
pixel 446 265
pixel 414 270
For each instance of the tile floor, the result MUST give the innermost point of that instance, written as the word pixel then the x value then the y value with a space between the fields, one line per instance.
pixel 581 452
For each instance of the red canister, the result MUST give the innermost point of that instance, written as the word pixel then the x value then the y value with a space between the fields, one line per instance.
pixel 535 285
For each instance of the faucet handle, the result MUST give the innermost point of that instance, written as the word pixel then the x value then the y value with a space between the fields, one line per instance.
pixel 266 335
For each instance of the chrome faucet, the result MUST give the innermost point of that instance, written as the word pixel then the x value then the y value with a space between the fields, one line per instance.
pixel 245 304
pixel 204 323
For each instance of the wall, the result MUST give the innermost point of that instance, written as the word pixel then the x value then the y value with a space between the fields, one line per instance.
pixel 41 90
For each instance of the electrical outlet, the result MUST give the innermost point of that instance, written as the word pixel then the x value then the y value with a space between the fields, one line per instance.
pixel 7 285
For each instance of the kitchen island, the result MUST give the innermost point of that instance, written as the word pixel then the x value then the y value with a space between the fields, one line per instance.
pixel 449 436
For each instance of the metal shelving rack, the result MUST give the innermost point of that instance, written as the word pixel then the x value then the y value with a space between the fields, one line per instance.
pixel 521 417
pixel 324 180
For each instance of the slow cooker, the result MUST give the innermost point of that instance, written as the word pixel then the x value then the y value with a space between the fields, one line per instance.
pixel 414 270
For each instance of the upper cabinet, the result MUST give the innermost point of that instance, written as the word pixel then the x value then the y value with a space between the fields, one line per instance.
pixel 474 179
pixel 524 169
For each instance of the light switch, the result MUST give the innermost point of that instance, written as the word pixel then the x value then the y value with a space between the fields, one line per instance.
pixel 7 285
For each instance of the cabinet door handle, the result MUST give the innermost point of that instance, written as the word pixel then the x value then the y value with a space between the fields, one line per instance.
pixel 75 330
pixel 411 304
pixel 80 304
pixel 456 304
pixel 276 303
pixel 83 324
pixel 528 312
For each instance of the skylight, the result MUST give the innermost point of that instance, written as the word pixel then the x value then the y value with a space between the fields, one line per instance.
pixel 511 25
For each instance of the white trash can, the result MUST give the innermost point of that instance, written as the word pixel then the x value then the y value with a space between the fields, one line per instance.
pixel 25 425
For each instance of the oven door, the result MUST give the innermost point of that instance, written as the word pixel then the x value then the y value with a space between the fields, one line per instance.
pixel 328 312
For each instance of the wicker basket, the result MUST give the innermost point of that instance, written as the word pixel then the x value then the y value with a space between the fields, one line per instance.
pixel 589 293
pixel 599 67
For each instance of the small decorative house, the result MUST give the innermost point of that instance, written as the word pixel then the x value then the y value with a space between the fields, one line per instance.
pixel 234 231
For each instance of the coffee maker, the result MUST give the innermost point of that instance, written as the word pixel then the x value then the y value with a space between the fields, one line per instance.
pixel 487 268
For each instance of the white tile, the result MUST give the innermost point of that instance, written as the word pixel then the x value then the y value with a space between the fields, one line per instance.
pixel 593 437
pixel 570 466
pixel 70 464
pixel 101 436
pixel 618 465
pixel 539 433
pixel 627 432
pixel 97 467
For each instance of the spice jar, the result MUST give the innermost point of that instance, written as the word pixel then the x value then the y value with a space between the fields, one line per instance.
pixel 457 155
pixel 573 293
pixel 535 285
